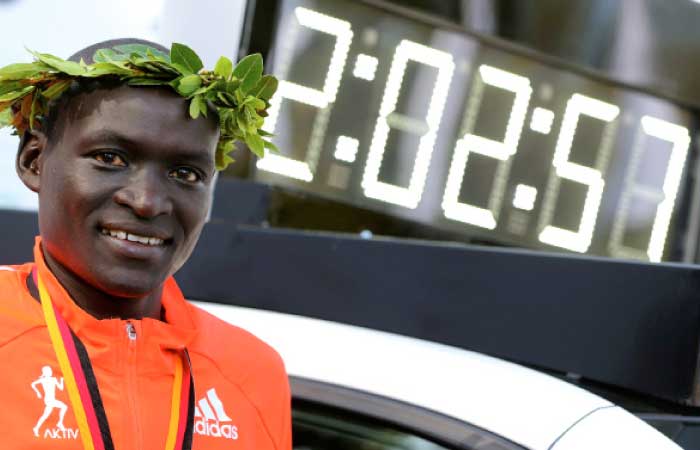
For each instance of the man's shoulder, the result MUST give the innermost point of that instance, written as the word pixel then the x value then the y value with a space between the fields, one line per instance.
pixel 237 352
pixel 11 277
pixel 7 269
pixel 17 313
pixel 255 368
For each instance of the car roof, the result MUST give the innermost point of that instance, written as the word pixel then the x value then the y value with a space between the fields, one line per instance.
pixel 518 403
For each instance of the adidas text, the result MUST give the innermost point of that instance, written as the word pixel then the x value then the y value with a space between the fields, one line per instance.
pixel 205 428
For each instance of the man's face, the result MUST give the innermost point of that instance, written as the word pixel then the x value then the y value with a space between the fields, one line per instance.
pixel 125 186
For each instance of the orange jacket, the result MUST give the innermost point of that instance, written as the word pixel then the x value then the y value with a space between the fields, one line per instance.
pixel 241 389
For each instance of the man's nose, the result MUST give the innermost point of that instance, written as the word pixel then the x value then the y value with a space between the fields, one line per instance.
pixel 146 194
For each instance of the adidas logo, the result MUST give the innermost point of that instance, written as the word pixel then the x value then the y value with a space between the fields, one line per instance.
pixel 210 418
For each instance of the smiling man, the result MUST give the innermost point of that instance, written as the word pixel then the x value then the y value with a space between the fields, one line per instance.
pixel 123 154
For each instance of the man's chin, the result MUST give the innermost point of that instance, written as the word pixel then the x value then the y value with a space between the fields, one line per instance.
pixel 129 287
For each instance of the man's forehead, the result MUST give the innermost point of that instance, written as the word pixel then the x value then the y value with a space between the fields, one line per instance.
pixel 152 117
pixel 143 102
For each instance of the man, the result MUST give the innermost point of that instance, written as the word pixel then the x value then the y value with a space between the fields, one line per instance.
pixel 124 165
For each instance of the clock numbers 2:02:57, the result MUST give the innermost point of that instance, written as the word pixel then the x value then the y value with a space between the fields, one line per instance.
pixel 577 240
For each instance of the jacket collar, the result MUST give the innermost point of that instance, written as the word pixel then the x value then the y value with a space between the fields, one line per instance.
pixel 176 332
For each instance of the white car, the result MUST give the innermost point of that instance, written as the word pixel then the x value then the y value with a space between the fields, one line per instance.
pixel 356 388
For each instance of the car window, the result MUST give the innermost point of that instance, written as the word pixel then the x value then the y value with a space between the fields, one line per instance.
pixel 320 427
pixel 683 430
pixel 332 417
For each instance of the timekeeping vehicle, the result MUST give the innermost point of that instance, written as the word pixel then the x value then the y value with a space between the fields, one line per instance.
pixel 356 388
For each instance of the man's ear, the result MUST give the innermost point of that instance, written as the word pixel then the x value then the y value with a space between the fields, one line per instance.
pixel 29 159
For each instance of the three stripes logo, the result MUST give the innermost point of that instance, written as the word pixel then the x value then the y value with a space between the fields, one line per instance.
pixel 210 419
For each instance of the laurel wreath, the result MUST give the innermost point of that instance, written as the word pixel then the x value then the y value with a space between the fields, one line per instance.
pixel 240 94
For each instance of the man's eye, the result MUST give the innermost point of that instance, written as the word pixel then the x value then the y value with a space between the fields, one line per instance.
pixel 185 174
pixel 110 158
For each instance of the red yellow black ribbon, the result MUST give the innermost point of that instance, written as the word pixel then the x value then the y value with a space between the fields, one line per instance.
pixel 84 394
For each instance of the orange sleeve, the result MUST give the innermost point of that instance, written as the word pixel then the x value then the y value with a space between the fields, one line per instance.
pixel 285 442
pixel 257 369
pixel 271 393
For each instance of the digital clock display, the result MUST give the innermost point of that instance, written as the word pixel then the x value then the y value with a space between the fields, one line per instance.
pixel 394 114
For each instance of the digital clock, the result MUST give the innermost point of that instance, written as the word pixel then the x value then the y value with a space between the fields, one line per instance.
pixel 396 114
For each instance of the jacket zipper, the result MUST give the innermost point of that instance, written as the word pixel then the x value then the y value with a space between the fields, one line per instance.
pixel 133 411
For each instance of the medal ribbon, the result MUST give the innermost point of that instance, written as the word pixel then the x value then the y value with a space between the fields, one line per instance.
pixel 84 394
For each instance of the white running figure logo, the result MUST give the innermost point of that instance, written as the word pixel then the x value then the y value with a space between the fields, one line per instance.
pixel 49 383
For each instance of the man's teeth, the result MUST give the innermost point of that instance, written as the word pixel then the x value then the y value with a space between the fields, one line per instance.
pixel 123 235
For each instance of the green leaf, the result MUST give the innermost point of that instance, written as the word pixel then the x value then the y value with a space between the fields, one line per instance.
pixel 104 55
pixel 194 106
pixel 266 87
pixel 182 69
pixel 160 66
pixel 247 64
pixel 189 84
pixel 250 119
pixel 10 96
pixel 226 98
pixel 204 90
pixel 240 97
pixel 204 107
pixel 226 118
pixel 213 96
pixel 198 106
pixel 146 81
pixel 242 124
pixel 249 70
pixel 158 55
pixel 140 49
pixel 174 83
pixel 32 112
pixel 222 153
pixel 22 70
pixel 6 117
pixel 26 105
pixel 272 147
pixel 9 86
pixel 256 144
pixel 255 104
pixel 184 57
pixel 56 89
pixel 258 104
pixel 106 68
pixel 224 67
pixel 264 133
pixel 232 85
pixel 67 67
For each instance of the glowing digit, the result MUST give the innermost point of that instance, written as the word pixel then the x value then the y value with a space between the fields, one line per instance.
pixel 680 138
pixel 388 118
pixel 501 151
pixel 322 99
pixel 579 240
